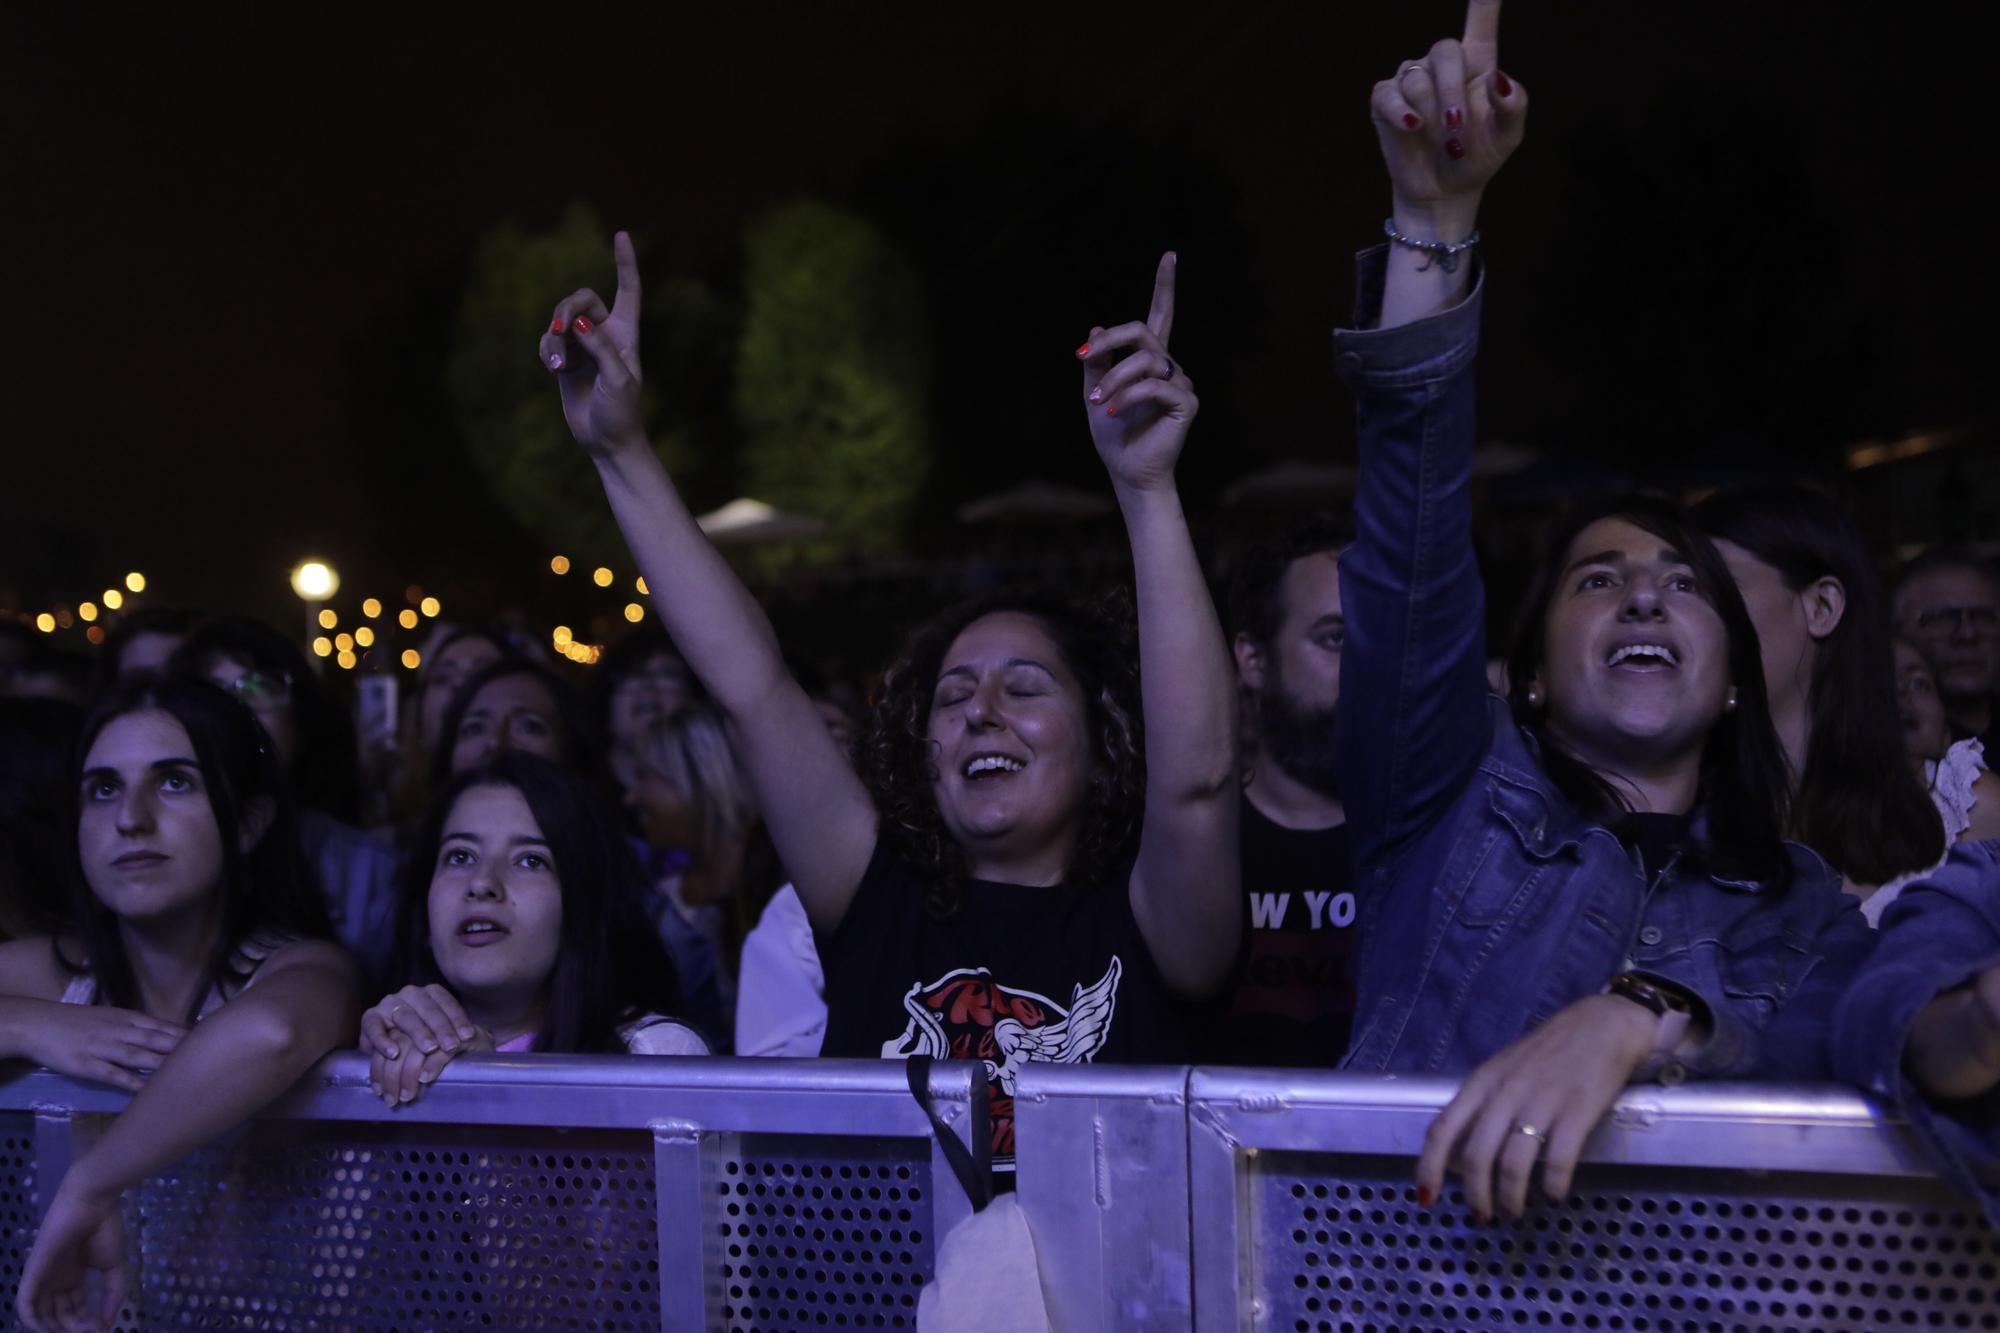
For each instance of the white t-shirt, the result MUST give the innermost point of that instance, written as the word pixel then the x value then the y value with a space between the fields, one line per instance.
pixel 1951 781
pixel 780 989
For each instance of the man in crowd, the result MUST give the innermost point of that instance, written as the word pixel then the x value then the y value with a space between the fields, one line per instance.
pixel 1947 604
pixel 1292 997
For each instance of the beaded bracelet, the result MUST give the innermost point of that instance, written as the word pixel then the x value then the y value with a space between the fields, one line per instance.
pixel 1444 256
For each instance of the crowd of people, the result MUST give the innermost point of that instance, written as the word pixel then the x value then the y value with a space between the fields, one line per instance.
pixel 1722 808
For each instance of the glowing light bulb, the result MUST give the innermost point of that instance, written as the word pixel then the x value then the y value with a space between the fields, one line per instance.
pixel 88 611
pixel 559 564
pixel 46 623
pixel 601 577
pixel 634 612
pixel 371 607
pixel 314 581
pixel 644 591
pixel 347 661
pixel 431 606
pixel 113 598
pixel 344 642
pixel 412 658
pixel 136 581
pixel 563 637
pixel 365 637
pixel 406 618
pixel 323 646
pixel 327 619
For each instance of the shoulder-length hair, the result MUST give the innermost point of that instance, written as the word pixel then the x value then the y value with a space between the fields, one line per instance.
pixel 1857 803
pixel 692 753
pixel 899 764
pixel 610 964
pixel 264 888
pixel 325 772
pixel 1742 790
pixel 583 748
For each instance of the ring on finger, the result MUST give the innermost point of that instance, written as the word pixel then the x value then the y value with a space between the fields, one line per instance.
pixel 1538 1135
pixel 1172 370
pixel 1414 67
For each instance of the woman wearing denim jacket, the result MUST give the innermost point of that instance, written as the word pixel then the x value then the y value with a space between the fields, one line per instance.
pixel 1583 885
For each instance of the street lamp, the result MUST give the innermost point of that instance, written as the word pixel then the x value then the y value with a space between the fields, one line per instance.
pixel 315 582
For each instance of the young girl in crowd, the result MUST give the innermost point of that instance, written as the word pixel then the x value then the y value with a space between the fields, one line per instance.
pixel 192 975
pixel 455 658
pixel 521 933
pixel 1584 884
pixel 1818 605
pixel 515 704
pixel 1005 885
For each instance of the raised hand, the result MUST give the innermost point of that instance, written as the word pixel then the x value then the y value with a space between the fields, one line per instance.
pixel 102 1044
pixel 594 355
pixel 1535 1103
pixel 1138 400
pixel 1448 121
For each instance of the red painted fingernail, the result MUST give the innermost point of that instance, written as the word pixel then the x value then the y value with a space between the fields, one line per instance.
pixel 1453 149
pixel 1454 117
pixel 583 321
pixel 1111 408
pixel 1426 1196
pixel 1502 84
pixel 556 326
pixel 1412 121
pixel 1083 350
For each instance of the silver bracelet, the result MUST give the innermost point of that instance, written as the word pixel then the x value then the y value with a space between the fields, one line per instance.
pixel 1444 256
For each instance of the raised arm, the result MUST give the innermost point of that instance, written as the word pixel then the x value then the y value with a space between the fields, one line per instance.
pixel 301 1005
pixel 1413 720
pixel 1139 403
pixel 819 815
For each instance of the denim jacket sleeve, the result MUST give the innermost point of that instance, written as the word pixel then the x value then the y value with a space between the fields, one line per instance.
pixel 1413 725
pixel 1936 936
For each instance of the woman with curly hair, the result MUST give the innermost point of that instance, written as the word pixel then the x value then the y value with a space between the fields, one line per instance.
pixel 1019 875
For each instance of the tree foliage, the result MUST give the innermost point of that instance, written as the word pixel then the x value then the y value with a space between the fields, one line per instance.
pixel 831 373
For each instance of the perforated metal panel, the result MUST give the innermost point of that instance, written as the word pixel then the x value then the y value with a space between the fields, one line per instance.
pixel 17 1203
pixel 1341 1244
pixel 392 1228
pixel 808 1239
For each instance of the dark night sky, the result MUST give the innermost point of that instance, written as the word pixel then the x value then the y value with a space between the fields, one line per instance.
pixel 206 208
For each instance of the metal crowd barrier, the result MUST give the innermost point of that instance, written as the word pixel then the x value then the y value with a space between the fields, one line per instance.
pixel 547 1193
pixel 570 1193
pixel 1710 1208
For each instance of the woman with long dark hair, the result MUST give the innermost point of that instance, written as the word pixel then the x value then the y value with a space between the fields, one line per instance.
pixel 1585 884
pixel 1816 598
pixel 194 973
pixel 1013 891
pixel 520 932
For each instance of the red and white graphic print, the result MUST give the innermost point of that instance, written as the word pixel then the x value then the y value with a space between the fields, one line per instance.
pixel 967 1015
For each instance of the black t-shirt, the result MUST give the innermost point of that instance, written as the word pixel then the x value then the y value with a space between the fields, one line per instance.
pixel 1290 1001
pixel 1015 974
pixel 1657 839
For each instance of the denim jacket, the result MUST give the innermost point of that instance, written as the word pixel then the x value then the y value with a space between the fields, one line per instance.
pixel 1939 934
pixel 1489 902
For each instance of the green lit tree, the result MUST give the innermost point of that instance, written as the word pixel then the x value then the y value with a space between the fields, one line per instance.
pixel 831 373
pixel 505 406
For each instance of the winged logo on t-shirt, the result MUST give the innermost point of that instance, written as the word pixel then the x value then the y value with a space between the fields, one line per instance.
pixel 966 1015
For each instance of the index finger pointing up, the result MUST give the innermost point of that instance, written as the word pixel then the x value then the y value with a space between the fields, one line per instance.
pixel 627 300
pixel 1482 37
pixel 1160 319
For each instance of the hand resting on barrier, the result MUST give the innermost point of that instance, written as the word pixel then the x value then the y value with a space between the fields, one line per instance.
pixel 412 1035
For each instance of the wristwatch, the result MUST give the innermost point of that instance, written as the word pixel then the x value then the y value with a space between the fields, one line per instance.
pixel 1672 1008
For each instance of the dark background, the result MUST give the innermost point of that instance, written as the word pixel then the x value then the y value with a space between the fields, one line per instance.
pixel 235 237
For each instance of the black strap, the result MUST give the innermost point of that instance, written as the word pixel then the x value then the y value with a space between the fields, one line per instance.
pixel 977 1184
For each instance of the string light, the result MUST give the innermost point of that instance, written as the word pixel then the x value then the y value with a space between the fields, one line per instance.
pixel 87 611
pixel 64 618
pixel 365 637
pixel 601 577
pixel 372 607
pixel 327 619
pixel 46 623
pixel 406 618
pixel 644 591
pixel 413 594
pixel 344 642
pixel 323 646
pixel 634 612
pixel 559 564
pixel 136 581
pixel 431 606
pixel 563 637
pixel 113 598
pixel 347 661
pixel 95 634
pixel 412 658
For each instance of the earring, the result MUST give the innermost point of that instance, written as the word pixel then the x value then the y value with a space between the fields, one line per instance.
pixel 1534 696
pixel 1729 705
